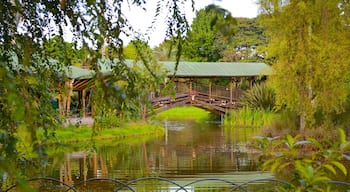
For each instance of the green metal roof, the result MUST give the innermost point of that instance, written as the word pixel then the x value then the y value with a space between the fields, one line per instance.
pixel 79 73
pixel 186 69
pixel 217 69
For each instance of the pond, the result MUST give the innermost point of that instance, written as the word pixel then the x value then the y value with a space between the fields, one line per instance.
pixel 187 152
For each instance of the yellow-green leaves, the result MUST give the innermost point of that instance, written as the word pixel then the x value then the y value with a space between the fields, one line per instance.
pixel 308 164
pixel 309 52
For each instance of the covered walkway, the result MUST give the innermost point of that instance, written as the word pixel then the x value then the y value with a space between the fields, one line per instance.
pixel 193 84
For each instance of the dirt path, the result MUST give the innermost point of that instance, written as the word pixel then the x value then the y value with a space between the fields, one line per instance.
pixel 79 120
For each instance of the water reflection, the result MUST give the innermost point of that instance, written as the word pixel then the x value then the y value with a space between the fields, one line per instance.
pixel 188 151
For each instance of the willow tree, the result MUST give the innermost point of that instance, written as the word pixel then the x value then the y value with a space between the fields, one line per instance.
pixel 309 46
pixel 28 78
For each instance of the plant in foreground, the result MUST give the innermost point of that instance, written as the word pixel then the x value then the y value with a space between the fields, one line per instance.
pixel 310 164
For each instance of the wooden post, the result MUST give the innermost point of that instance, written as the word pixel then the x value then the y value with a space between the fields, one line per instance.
pixel 84 104
pixel 176 85
pixel 80 98
pixel 209 91
pixel 191 96
pixel 231 86
pixel 70 93
pixel 190 86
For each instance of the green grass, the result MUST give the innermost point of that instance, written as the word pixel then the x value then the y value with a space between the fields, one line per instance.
pixel 84 133
pixel 183 113
pixel 246 117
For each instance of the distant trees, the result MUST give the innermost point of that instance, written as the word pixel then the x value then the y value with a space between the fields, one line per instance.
pixel 249 33
pixel 309 48
pixel 216 36
pixel 68 53
pixel 248 42
pixel 166 51
pixel 211 32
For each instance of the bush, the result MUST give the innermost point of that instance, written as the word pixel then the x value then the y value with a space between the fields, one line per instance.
pixel 308 164
pixel 105 121
pixel 259 97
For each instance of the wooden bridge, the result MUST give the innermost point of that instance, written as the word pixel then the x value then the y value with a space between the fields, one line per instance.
pixel 216 99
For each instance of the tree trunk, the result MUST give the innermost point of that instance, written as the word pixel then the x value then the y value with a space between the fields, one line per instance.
pixel 302 123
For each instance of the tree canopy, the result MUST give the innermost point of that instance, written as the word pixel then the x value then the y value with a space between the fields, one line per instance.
pixel 211 31
pixel 31 37
pixel 309 43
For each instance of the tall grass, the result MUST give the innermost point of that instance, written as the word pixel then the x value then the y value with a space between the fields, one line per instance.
pixel 246 117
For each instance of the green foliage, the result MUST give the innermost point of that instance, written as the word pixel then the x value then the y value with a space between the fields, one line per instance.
pixel 308 164
pixel 211 30
pixel 247 117
pixel 166 51
pixel 250 33
pixel 284 122
pixel 29 80
pixel 248 42
pixel 124 130
pixel 67 53
pixel 308 46
pixel 261 97
pixel 108 119
pixel 130 51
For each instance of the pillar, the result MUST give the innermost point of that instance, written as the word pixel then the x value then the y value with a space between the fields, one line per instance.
pixel 69 96
pixel 231 91
pixel 209 91
pixel 191 86
pixel 83 101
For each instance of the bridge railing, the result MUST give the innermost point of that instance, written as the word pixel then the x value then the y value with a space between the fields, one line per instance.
pixel 164 184
pixel 217 91
pixel 194 93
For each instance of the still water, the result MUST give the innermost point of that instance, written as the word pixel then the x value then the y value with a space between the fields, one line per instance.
pixel 188 151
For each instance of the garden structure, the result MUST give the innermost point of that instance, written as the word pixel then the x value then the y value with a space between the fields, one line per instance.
pixel 193 85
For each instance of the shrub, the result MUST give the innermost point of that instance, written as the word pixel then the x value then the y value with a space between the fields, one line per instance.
pixel 259 97
pixel 308 164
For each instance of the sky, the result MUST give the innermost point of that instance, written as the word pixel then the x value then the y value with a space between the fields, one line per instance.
pixel 141 19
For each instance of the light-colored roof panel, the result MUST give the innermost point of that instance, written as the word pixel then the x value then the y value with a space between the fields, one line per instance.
pixel 188 69
pixel 217 69
pixel 79 73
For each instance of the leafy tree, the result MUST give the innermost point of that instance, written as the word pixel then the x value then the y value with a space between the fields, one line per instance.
pixel 249 33
pixel 57 48
pixel 29 78
pixel 130 51
pixel 164 51
pixel 248 42
pixel 309 43
pixel 212 29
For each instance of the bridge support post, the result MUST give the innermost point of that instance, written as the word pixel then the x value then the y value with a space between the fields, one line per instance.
pixel 209 91
pixel 191 81
pixel 231 90
pixel 222 118
pixel 191 96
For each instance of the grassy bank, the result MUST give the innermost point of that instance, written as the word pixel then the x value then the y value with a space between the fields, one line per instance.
pixel 183 113
pixel 246 117
pixel 84 133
